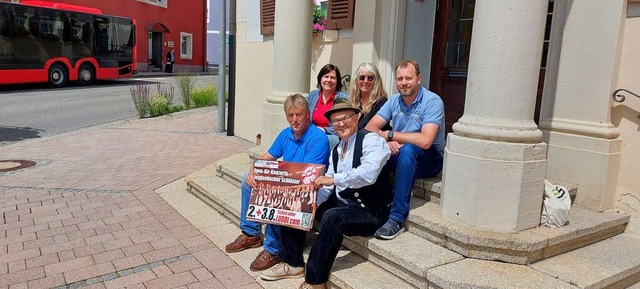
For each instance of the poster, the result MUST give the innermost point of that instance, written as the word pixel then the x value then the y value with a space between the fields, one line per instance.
pixel 284 193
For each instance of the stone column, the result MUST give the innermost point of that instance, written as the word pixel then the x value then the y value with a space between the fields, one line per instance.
pixel 584 148
pixel 291 62
pixel 494 160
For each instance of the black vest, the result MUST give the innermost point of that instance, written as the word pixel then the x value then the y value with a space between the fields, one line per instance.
pixel 377 197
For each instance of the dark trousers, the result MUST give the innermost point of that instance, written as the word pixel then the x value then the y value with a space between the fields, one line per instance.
pixel 336 222
pixel 168 68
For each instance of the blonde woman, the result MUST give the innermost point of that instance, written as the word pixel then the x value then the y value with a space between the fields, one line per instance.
pixel 367 93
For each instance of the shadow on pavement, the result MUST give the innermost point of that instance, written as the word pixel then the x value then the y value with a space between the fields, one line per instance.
pixel 12 134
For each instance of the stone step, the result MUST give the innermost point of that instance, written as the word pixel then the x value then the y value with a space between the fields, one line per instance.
pixel 428 189
pixel 217 193
pixel 392 256
pixel 349 271
pixel 611 263
pixel 474 273
pixel 425 220
pixel 585 227
pixel 409 257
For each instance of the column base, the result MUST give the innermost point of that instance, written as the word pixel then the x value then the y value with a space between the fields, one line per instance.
pixel 493 185
pixel 592 163
pixel 273 121
pixel 273 116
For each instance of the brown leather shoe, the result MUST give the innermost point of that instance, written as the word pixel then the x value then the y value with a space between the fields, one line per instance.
pixel 264 261
pixel 243 242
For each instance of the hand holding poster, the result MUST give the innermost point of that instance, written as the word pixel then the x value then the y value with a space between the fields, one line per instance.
pixel 284 193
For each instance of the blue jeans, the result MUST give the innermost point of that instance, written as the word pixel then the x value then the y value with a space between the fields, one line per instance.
pixel 410 163
pixel 336 223
pixel 251 228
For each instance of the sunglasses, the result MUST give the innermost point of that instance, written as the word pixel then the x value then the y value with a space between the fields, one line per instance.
pixel 369 77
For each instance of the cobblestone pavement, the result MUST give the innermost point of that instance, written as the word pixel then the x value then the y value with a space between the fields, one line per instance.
pixel 86 214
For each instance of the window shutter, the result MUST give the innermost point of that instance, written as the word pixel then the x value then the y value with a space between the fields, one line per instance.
pixel 340 14
pixel 267 16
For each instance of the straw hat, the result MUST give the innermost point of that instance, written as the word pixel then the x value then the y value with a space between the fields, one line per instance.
pixel 340 104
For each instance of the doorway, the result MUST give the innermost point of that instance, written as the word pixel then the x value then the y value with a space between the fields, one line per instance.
pixel 155 51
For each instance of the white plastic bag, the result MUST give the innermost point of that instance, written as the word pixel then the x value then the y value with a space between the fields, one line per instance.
pixel 555 212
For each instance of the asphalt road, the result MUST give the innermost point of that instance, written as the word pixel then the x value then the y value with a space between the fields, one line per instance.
pixel 36 111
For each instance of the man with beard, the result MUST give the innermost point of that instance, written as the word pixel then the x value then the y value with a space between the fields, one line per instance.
pixel 357 182
pixel 416 142
pixel 301 142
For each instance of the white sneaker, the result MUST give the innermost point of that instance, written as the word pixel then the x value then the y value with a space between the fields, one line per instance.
pixel 282 270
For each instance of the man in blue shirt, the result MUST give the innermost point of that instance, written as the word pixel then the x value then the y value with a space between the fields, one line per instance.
pixel 301 142
pixel 357 197
pixel 416 142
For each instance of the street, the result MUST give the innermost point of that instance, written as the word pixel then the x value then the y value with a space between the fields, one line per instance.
pixel 36 110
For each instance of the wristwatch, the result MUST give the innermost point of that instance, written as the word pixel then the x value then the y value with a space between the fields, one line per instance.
pixel 390 135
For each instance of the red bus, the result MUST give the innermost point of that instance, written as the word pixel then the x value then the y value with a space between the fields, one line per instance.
pixel 43 41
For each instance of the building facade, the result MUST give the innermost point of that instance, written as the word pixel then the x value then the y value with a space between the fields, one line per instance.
pixel 162 25
pixel 213 32
pixel 528 88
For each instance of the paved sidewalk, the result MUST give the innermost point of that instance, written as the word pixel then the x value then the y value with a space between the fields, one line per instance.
pixel 86 215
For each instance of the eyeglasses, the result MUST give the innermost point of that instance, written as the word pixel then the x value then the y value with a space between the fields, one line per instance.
pixel 369 77
pixel 344 120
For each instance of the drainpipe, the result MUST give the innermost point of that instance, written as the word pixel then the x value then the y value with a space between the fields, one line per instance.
pixel 232 68
pixel 222 65
pixel 205 65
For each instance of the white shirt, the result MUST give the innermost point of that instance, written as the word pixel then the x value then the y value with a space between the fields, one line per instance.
pixel 375 153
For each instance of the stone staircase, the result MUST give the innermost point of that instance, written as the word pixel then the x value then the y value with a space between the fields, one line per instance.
pixel 592 251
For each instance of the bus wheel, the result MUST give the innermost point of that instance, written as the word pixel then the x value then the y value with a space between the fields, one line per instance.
pixel 57 75
pixel 86 75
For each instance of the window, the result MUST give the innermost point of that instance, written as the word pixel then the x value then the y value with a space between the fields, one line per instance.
pixel 459 35
pixel 186 45
pixel 161 3
pixel 339 14
pixel 267 16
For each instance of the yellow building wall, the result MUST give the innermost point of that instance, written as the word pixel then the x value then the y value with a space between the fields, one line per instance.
pixel 255 79
pixel 625 116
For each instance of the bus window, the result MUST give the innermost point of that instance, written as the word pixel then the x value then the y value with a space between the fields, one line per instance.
pixel 81 36
pixel 123 35
pixel 25 37
pixel 51 33
pixel 6 48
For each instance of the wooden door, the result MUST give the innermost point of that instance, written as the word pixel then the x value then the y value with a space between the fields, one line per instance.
pixel 450 56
